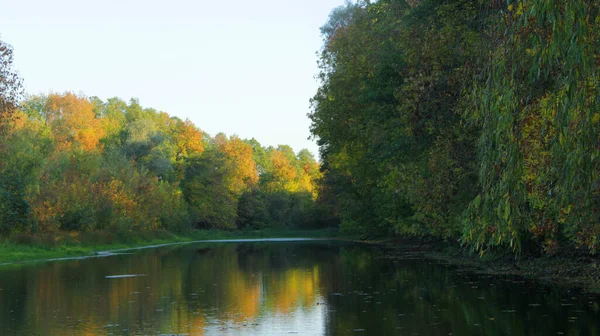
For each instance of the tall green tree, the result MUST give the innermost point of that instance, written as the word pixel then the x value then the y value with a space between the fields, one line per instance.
pixel 388 113
pixel 11 88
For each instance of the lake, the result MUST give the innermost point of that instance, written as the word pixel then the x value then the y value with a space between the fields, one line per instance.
pixel 280 288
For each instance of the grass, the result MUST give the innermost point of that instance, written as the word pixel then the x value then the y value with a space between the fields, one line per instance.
pixel 28 247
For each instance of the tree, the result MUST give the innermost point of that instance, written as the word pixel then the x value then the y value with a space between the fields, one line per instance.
pixel 388 114
pixel 283 175
pixel 73 121
pixel 240 165
pixel 187 139
pixel 260 156
pixel 73 163
pixel 14 209
pixel 539 144
pixel 205 188
pixel 11 88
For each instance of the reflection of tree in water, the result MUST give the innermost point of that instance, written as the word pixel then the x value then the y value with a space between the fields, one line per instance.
pixel 189 288
pixel 183 289
pixel 289 273
pixel 417 296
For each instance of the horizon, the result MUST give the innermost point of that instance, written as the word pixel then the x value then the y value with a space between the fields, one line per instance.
pixel 239 69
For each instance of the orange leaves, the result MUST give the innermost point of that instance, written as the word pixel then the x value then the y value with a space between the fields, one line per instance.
pixel 154 172
pixel 73 121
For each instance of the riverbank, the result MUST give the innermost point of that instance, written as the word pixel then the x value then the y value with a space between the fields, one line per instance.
pixel 575 270
pixel 40 247
pixel 582 271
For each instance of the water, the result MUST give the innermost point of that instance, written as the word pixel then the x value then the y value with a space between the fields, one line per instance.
pixel 280 288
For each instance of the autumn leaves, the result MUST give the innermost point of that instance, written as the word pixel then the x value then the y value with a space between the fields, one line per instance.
pixel 77 163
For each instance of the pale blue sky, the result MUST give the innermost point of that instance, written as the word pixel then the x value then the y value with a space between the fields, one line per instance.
pixel 239 67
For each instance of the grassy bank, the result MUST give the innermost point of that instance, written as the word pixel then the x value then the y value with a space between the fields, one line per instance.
pixel 28 247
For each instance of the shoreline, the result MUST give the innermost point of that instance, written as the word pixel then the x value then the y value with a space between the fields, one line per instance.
pixel 550 270
pixel 13 252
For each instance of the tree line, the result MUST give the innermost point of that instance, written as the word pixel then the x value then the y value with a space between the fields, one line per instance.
pixel 469 120
pixel 69 162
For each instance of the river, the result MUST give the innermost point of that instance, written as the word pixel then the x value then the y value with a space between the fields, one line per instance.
pixel 280 288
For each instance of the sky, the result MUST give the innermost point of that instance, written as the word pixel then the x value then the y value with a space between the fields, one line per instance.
pixel 239 67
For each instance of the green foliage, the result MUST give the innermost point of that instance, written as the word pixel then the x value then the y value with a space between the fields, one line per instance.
pixel 538 148
pixel 387 115
pixel 211 203
pixel 21 158
pixel 252 211
pixel 289 210
pixel 463 119
pixel 74 164
pixel 11 87
pixel 14 208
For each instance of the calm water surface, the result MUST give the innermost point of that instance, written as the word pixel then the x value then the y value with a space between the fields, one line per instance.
pixel 280 288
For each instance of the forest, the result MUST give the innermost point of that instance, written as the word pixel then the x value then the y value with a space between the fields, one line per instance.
pixel 469 121
pixel 72 163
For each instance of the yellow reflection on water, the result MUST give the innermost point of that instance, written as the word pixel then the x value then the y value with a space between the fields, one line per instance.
pixel 175 294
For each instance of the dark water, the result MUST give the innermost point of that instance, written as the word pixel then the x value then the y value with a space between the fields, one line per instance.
pixel 280 288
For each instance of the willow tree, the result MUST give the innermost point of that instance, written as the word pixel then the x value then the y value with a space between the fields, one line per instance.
pixel 539 110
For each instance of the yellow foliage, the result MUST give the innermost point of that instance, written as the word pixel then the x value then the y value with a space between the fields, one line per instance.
pixel 188 139
pixel 73 121
pixel 19 121
pixel 243 173
pixel 284 174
